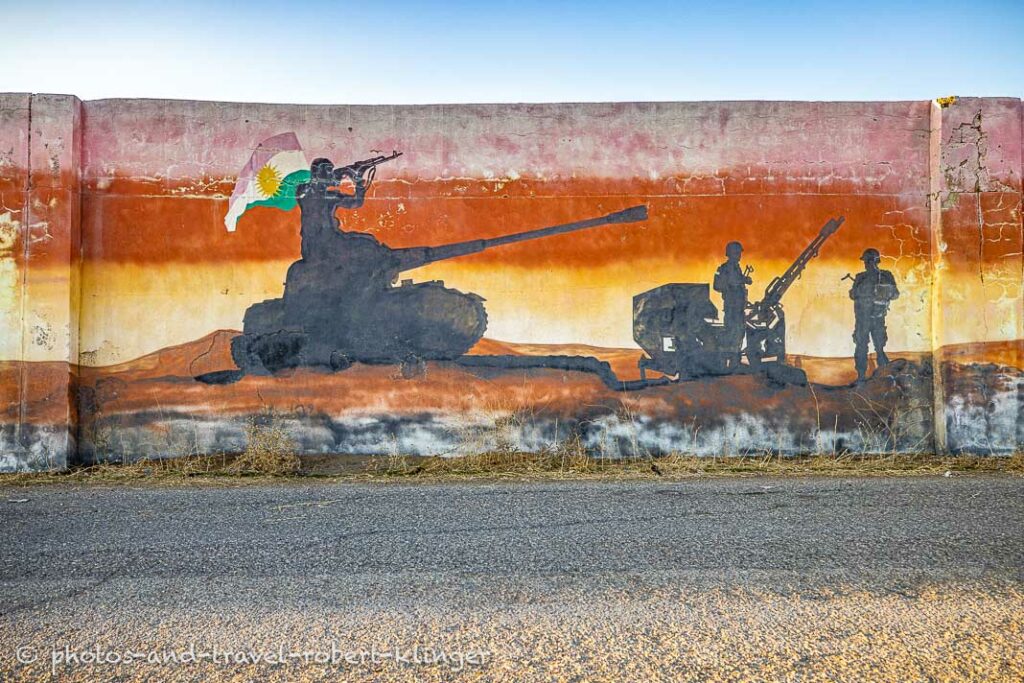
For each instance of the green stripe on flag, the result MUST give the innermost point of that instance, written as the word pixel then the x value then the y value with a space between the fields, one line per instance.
pixel 284 198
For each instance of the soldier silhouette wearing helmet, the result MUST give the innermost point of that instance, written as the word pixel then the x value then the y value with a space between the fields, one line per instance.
pixel 731 281
pixel 872 291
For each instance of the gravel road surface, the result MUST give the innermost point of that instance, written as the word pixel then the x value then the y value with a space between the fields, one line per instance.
pixel 718 579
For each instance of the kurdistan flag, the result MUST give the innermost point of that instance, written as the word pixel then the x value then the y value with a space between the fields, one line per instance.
pixel 275 169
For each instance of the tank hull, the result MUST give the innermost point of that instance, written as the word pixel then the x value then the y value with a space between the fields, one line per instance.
pixel 412 323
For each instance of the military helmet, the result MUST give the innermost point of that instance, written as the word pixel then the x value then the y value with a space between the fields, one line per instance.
pixel 733 247
pixel 321 169
pixel 871 254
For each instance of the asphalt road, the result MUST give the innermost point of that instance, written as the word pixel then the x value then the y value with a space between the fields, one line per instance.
pixel 729 579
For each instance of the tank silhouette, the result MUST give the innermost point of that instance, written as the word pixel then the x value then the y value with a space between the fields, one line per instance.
pixel 340 302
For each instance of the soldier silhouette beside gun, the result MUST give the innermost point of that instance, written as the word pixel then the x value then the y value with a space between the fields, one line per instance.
pixel 872 291
pixel 731 281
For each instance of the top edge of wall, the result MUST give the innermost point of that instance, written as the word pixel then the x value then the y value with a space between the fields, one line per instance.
pixel 510 104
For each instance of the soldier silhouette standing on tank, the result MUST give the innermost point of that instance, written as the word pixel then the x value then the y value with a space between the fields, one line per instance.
pixel 872 291
pixel 319 199
pixel 731 281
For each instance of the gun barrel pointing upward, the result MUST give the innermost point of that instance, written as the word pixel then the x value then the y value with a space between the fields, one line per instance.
pixel 414 257
pixel 780 285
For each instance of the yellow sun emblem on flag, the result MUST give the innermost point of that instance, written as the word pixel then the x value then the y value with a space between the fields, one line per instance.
pixel 268 180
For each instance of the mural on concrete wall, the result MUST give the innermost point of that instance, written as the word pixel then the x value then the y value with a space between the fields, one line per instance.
pixel 537 276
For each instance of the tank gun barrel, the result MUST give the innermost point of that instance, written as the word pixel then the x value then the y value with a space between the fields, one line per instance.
pixel 414 257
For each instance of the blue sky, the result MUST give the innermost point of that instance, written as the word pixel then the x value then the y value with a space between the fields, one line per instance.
pixel 417 52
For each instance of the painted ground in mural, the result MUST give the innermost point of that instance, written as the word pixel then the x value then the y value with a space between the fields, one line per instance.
pixel 152 406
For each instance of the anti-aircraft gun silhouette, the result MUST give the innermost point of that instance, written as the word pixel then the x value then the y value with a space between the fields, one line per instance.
pixel 345 307
pixel 676 326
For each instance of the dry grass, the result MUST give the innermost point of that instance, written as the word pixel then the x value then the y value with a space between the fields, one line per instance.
pixel 572 463
pixel 269 453
pixel 268 450
pixel 270 456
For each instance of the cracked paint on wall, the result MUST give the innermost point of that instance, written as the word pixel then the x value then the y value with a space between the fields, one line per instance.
pixel 10 318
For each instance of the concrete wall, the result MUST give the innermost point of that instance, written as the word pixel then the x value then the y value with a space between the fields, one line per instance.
pixel 119 284
pixel 40 202
pixel 976 222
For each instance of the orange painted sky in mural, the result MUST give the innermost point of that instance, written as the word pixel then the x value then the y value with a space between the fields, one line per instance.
pixel 143 227
pixel 161 269
pixel 165 258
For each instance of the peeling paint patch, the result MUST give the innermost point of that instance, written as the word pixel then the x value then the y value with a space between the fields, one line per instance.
pixel 8 233
pixel 965 161
pixel 10 314
pixel 42 335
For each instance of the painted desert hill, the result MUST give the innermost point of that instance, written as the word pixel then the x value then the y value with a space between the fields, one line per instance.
pixel 213 352
pixel 206 354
